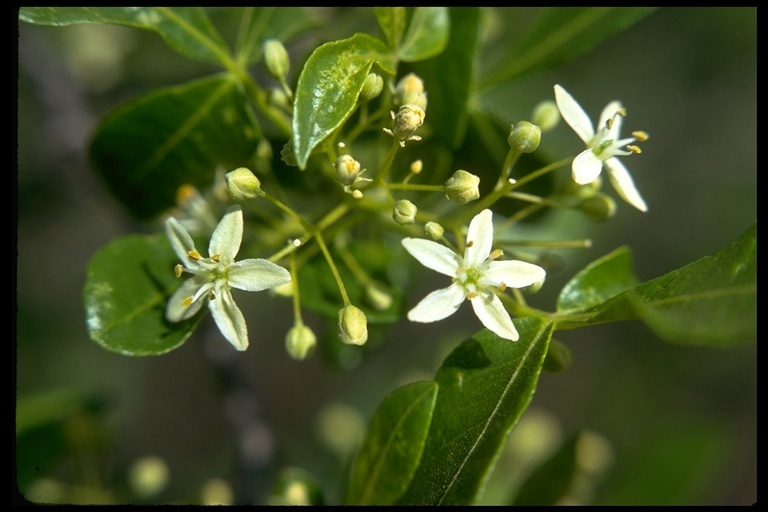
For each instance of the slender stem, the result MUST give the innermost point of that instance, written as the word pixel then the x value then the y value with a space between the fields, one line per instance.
pixel 295 287
pixel 560 244
pixel 334 270
pixel 381 174
pixel 287 209
pixel 415 186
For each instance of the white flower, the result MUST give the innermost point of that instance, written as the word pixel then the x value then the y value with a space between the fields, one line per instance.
pixel 476 277
pixel 603 146
pixel 213 277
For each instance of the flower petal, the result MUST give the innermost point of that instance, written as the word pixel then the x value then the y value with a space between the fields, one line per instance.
pixel 574 115
pixel 433 255
pixel 438 305
pixel 254 275
pixel 623 183
pixel 610 112
pixel 513 273
pixel 180 240
pixel 175 311
pixel 479 239
pixel 228 235
pixel 491 312
pixel 586 167
pixel 229 319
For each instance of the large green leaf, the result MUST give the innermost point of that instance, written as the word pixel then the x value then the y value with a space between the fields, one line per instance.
pixel 393 445
pixel 149 147
pixel 392 22
pixel 188 30
pixel 561 34
pixel 599 281
pixel 329 85
pixel 712 301
pixel 427 34
pixel 486 384
pixel 127 285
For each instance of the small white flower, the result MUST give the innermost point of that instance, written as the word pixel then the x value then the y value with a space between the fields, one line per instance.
pixel 603 146
pixel 213 277
pixel 476 277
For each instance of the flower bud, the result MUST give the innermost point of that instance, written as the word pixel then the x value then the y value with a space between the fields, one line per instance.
pixel 404 212
pixel 462 187
pixel 546 115
pixel 276 58
pixel 348 169
pixel 599 207
pixel 410 90
pixel 533 288
pixel 300 342
pixel 406 121
pixel 524 137
pixel 242 184
pixel 434 230
pixel 353 325
pixel 372 87
pixel 288 154
pixel 378 297
pixel 416 166
pixel 277 97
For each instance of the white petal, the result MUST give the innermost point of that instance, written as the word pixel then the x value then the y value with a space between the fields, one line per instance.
pixel 513 273
pixel 229 319
pixel 228 235
pixel 491 312
pixel 438 305
pixel 174 310
pixel 608 112
pixel 433 255
pixel 586 167
pixel 180 240
pixel 254 275
pixel 623 183
pixel 574 115
pixel 479 239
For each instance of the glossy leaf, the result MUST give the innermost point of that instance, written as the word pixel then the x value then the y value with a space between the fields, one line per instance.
pixel 127 285
pixel 392 447
pixel 549 482
pixel 149 147
pixel 188 30
pixel 599 281
pixel 392 21
pixel 427 34
pixel 561 34
pixel 486 384
pixel 329 85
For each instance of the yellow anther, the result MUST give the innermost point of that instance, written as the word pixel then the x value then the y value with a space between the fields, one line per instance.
pixel 640 135
pixel 185 193
pixel 471 295
pixel 178 269
pixel 194 255
pixel 187 301
pixel 496 253
pixel 216 257
pixel 212 296
pixel 634 149
pixel 470 243
pixel 622 112
pixel 502 287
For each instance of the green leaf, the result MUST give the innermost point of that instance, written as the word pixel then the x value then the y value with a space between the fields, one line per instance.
pixel 392 22
pixel 329 85
pixel 262 23
pixel 188 30
pixel 712 301
pixel 149 147
pixel 427 34
pixel 486 384
pixel 127 285
pixel 551 480
pixel 561 34
pixel 393 444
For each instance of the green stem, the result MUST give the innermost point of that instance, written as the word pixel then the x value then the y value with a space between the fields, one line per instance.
pixel 381 174
pixel 334 270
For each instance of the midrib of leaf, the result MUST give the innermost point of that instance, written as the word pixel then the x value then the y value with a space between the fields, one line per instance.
pixel 380 459
pixel 225 59
pixel 250 35
pixel 150 303
pixel 537 339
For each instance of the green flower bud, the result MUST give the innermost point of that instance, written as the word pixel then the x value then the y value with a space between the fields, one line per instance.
pixel 533 288
pixel 462 187
pixel 242 184
pixel 546 115
pixel 404 212
pixel 434 230
pixel 300 342
pixel 372 87
pixel 558 357
pixel 378 297
pixel 353 325
pixel 348 169
pixel 277 97
pixel 524 137
pixel 599 207
pixel 288 155
pixel 276 58
pixel 406 121
pixel 416 166
pixel 410 90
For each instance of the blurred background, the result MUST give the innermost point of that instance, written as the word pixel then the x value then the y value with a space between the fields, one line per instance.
pixel 204 424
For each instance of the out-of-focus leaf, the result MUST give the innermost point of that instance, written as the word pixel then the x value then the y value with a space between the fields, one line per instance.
pixel 392 447
pixel 128 283
pixel 392 22
pixel 329 85
pixel 427 34
pixel 712 301
pixel 262 23
pixel 550 481
pixel 188 30
pixel 561 34
pixel 486 384
pixel 599 281
pixel 149 147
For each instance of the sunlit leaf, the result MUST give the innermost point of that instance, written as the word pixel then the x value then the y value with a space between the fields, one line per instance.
pixel 392 22
pixel 149 147
pixel 486 384
pixel 427 34
pixel 329 85
pixel 392 447
pixel 128 283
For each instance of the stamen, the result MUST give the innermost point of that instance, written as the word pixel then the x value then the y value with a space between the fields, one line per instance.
pixel 471 295
pixel 212 296
pixel 194 255
pixel 640 135
pixel 502 287
pixel 216 257
pixel 496 253
pixel 634 149
pixel 185 193
pixel 622 112
pixel 187 301
pixel 178 269
pixel 470 243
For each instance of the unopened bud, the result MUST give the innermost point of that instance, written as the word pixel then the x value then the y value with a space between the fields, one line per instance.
pixel 378 297
pixel 546 115
pixel 599 207
pixel 406 121
pixel 276 58
pixel 288 154
pixel 462 187
pixel 533 288
pixel 372 87
pixel 404 212
pixel 347 169
pixel 524 137
pixel 278 98
pixel 242 184
pixel 434 230
pixel 410 90
pixel 300 342
pixel 416 166
pixel 353 325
